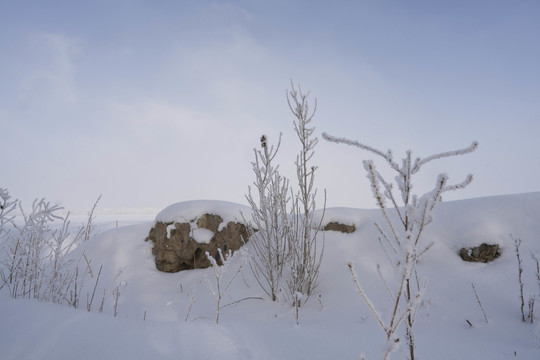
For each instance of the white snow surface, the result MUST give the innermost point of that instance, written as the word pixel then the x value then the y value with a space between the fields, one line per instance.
pixel 155 319
pixel 202 236
pixel 188 211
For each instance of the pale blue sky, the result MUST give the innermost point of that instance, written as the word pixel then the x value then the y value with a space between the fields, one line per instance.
pixel 154 102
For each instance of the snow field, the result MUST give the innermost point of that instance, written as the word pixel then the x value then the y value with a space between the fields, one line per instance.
pixel 335 325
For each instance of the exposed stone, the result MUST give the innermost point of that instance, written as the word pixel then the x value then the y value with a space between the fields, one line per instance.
pixel 175 249
pixel 335 226
pixel 210 222
pixel 484 253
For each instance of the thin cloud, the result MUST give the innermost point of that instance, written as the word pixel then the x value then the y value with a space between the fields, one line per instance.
pixel 50 83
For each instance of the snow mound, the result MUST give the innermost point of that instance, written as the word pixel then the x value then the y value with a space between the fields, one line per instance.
pixel 187 211
pixel 172 315
pixel 342 215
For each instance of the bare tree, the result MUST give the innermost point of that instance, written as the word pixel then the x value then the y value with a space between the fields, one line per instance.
pixel 402 234
pixel 306 256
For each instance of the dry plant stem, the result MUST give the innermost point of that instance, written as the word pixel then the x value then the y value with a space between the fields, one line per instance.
pixel 89 226
pixel 244 299
pixel 530 316
pixel 517 244
pixel 479 302
pixel 89 304
pixel 116 294
pixel 537 262
pixel 101 306
pixel 191 302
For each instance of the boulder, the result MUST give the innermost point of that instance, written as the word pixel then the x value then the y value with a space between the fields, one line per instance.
pixel 335 226
pixel 183 245
pixel 484 253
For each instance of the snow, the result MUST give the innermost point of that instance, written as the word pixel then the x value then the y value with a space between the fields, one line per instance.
pixel 342 215
pixel 188 211
pixel 170 228
pixel 202 236
pixel 153 306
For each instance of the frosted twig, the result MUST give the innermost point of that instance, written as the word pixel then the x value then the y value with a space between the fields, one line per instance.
pixel 387 156
pixel 366 299
pixel 420 162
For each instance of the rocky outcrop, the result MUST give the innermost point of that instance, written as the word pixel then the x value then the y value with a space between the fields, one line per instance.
pixel 484 253
pixel 183 245
pixel 335 226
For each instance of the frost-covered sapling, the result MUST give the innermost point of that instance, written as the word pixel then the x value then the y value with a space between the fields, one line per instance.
pixel 401 235
pixel 306 257
pixel 222 285
pixel 285 236
pixel 269 237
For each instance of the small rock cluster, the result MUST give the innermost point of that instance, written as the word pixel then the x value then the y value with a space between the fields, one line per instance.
pixel 484 253
pixel 335 226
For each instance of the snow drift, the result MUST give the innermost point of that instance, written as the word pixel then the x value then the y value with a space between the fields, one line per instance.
pixel 171 316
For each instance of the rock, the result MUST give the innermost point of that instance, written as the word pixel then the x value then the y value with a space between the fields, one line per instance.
pixel 335 226
pixel 182 246
pixel 484 253
pixel 210 222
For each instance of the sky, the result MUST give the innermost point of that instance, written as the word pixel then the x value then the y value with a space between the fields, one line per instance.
pixel 154 102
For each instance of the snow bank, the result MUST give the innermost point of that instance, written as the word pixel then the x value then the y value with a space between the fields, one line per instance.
pixel 342 215
pixel 188 211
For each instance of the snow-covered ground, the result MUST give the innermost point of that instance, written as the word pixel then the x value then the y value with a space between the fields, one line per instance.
pixel 172 316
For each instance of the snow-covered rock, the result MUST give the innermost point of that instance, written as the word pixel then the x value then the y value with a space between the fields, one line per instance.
pixel 184 232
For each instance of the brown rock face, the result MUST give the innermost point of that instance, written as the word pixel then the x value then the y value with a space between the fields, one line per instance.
pixel 484 253
pixel 175 249
pixel 210 222
pixel 339 227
